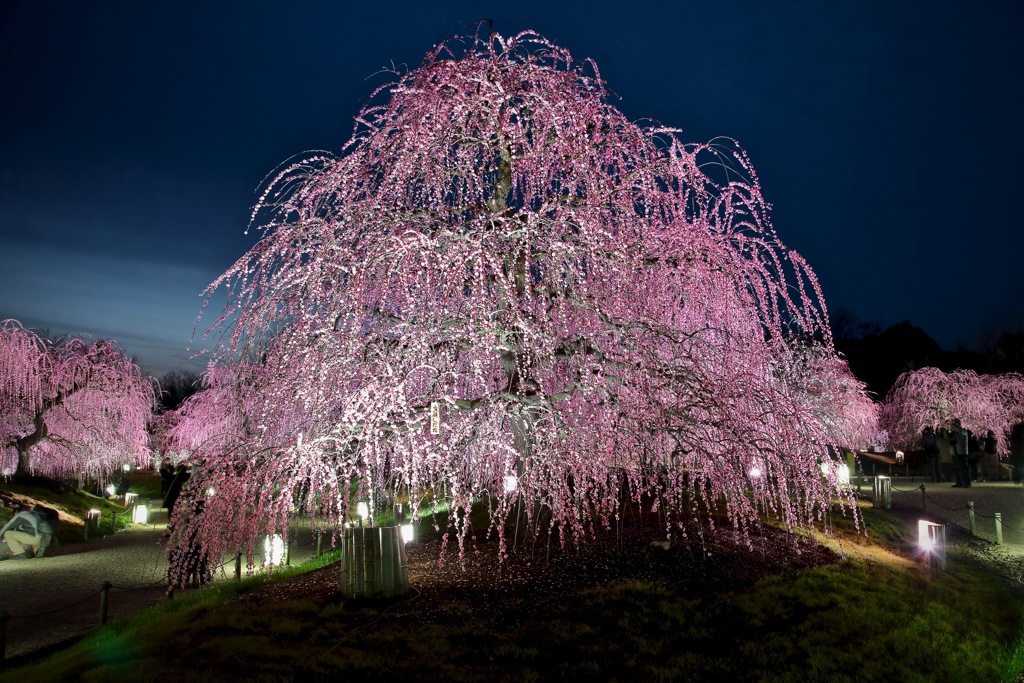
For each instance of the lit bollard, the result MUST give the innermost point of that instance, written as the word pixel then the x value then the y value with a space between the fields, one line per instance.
pixel 882 492
pixel 104 590
pixel 970 517
pixel 140 514
pixel 932 539
pixel 999 528
pixel 92 518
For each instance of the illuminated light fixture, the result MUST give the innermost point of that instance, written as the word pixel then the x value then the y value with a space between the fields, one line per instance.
pixel 110 490
pixel 140 515
pixel 362 510
pixel 882 492
pixel 510 483
pixel 93 515
pixel 755 472
pixel 211 491
pixel 130 497
pixel 838 470
pixel 932 539
pixel 407 533
pixel 126 467
pixel 273 550
pixel 899 457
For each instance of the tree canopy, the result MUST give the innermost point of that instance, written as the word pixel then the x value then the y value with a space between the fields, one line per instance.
pixel 503 289
pixel 928 397
pixel 70 407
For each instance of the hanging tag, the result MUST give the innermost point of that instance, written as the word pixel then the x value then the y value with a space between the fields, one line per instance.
pixel 435 418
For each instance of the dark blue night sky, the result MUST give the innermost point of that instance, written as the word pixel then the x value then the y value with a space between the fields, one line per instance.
pixel 887 136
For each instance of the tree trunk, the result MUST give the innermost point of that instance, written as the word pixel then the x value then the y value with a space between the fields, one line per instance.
pixel 25 444
pixel 23 463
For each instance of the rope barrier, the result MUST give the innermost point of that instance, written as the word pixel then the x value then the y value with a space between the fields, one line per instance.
pixel 54 611
pixel 997 516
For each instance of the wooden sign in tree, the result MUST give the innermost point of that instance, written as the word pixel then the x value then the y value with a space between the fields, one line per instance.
pixel 70 407
pixel 586 301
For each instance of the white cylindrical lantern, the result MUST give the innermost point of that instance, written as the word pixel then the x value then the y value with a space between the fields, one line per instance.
pixel 140 515
pixel 882 492
pixel 273 550
pixel 932 539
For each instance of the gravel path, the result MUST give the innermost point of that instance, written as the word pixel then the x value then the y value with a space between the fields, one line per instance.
pixel 56 598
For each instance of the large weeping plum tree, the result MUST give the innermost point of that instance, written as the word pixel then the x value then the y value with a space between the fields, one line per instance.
pixel 70 407
pixel 504 290
pixel 928 396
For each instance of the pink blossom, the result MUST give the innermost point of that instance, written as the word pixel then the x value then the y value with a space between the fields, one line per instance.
pixel 591 304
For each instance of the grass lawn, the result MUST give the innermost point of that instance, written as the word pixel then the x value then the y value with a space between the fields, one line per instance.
pixel 809 608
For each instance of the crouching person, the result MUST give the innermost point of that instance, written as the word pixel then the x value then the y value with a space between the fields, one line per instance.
pixel 28 534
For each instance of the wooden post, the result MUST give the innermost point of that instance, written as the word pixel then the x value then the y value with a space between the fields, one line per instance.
pixel 403 563
pixel 358 565
pixel 970 517
pixel 387 560
pixel 319 544
pixel 999 528
pixel 371 551
pixel 924 499
pixel 346 560
pixel 104 589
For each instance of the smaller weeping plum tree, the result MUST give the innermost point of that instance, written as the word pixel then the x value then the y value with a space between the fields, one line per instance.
pixel 70 407
pixel 929 396
pixel 834 397
pixel 504 290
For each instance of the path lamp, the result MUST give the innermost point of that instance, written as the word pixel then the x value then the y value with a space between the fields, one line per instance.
pixel 273 550
pixel 140 515
pixel 362 511
pixel 837 472
pixel 882 492
pixel 510 483
pixel 931 537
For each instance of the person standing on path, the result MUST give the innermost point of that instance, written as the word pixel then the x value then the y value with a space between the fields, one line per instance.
pixel 930 446
pixel 956 435
pixel 1017 452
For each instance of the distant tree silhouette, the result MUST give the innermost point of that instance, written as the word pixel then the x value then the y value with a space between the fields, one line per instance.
pixel 877 360
pixel 1006 355
pixel 176 386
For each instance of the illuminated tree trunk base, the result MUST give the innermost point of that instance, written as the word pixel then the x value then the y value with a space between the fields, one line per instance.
pixel 373 563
